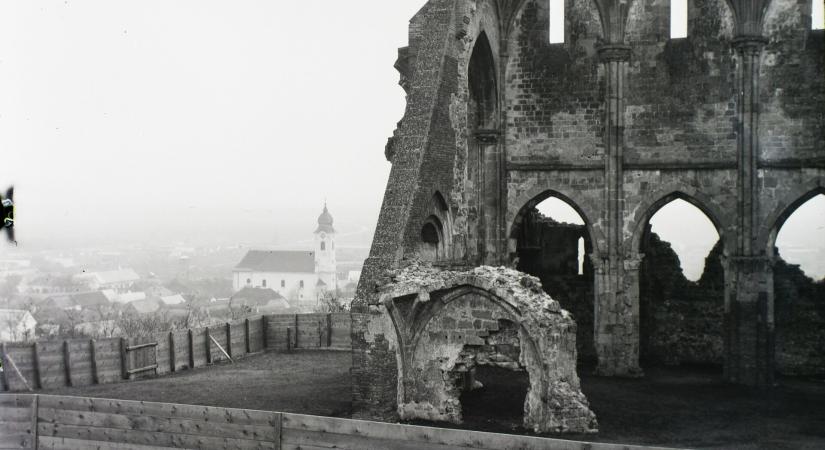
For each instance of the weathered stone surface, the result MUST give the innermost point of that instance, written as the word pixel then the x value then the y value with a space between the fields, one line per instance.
pixel 450 322
pixel 618 120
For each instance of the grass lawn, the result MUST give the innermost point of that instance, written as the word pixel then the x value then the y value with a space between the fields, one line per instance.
pixel 687 407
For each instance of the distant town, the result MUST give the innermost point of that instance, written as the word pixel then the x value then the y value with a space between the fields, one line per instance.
pixel 139 290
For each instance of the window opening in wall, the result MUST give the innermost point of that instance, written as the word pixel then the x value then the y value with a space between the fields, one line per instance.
pixel 323 245
pixel 681 287
pixel 581 256
pixel 688 232
pixel 552 244
pixel 800 242
pixel 799 289
pixel 301 283
pixel 248 281
pixel 283 283
pixel 556 21
pixel 264 283
pixel 818 15
pixel 678 19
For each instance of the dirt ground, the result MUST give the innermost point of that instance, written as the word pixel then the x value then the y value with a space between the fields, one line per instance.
pixel 678 407
pixel 303 382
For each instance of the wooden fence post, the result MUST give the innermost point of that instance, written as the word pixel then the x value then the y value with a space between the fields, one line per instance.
pixel 172 355
pixel 5 362
pixel 67 363
pixel 93 354
pixel 35 409
pixel 229 340
pixel 124 361
pixel 38 379
pixel 208 347
pixel 246 336
pixel 264 332
pixel 191 349
pixel 288 339
pixel 296 332
pixel 329 330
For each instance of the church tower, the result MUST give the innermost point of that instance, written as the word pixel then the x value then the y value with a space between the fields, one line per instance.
pixel 325 266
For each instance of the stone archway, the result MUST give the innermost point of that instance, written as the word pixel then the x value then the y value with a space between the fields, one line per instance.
pixel 450 322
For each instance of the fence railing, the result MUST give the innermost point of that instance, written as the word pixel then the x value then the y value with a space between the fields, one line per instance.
pixel 29 421
pixel 83 362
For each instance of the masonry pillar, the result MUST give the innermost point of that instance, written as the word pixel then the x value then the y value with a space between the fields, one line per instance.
pixel 749 325
pixel 489 193
pixel 617 309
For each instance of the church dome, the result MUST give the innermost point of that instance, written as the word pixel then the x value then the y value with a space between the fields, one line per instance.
pixel 325 222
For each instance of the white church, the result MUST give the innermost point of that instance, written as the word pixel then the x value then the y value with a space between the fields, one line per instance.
pixel 301 277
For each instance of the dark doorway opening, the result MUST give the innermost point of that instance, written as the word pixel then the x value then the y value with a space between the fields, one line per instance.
pixel 498 401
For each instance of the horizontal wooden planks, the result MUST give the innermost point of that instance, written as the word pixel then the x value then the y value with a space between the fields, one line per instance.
pixel 16 424
pixel 325 432
pixel 155 424
pixel 23 357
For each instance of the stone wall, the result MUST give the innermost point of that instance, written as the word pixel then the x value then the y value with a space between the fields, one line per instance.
pixel 442 324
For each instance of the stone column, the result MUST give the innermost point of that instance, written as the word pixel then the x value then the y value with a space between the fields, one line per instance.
pixel 489 191
pixel 749 324
pixel 617 310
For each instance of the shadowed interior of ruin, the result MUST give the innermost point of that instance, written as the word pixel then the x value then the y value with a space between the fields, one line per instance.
pixel 498 400
pixel 550 250
pixel 681 321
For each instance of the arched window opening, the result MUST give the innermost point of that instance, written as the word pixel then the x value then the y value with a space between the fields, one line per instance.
pixel 681 287
pixel 690 233
pixel 556 21
pixel 432 242
pixel 323 245
pixel 799 290
pixel 481 78
pixel 678 19
pixel 429 234
pixel 552 244
pixel 263 283
pixel 818 15
pixel 800 240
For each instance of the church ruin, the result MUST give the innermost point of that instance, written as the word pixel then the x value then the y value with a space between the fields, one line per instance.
pixel 618 120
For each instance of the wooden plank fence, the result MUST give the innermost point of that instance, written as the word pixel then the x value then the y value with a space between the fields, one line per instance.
pixel 84 362
pixel 29 421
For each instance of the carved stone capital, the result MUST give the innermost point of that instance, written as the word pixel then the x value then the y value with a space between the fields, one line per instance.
pixel 614 52
pixel 748 43
pixel 487 137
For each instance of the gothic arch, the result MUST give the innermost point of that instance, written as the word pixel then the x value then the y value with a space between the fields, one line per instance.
pixel 542 329
pixel 789 204
pixel 532 198
pixel 704 203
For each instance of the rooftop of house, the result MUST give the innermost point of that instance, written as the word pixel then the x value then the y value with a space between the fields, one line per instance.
pixel 89 299
pixel 278 261
pixel 14 316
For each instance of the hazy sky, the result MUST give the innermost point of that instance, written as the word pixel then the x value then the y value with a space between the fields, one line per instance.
pixel 207 121
pixel 157 119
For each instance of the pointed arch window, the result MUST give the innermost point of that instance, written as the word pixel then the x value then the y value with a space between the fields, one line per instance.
pixel 556 12
pixel 678 19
